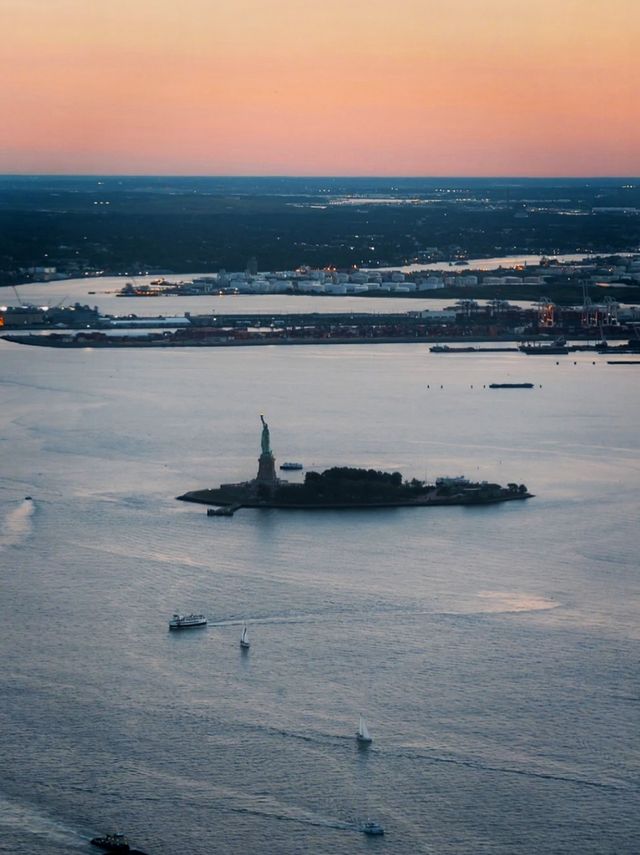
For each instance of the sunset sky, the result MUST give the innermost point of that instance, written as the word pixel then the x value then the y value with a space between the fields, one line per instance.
pixel 321 87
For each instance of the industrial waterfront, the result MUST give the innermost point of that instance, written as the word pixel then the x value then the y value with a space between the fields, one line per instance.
pixel 331 307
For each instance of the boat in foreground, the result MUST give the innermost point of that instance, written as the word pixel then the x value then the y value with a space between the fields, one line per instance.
pixel 115 843
pixel 186 621
pixel 372 828
pixel 363 736
pixel 112 843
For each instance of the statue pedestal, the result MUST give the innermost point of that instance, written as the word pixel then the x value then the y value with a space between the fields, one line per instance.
pixel 267 469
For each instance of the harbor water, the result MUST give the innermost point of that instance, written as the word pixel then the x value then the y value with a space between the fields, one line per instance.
pixel 493 651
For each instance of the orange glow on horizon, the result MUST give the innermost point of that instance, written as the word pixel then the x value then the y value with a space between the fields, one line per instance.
pixel 365 87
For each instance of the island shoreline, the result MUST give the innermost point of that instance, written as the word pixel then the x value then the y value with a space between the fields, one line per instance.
pixel 337 506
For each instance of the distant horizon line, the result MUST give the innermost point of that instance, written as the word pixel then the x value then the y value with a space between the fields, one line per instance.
pixel 317 176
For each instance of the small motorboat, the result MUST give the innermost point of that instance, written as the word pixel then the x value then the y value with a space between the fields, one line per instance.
pixel 373 829
pixel 221 512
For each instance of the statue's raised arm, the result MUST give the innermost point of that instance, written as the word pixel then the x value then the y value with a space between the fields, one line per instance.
pixel 266 440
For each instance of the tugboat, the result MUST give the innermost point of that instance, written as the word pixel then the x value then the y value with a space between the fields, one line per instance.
pixel 373 829
pixel 112 843
pixel 186 621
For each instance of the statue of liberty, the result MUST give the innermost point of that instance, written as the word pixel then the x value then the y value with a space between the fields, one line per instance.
pixel 266 439
pixel 266 478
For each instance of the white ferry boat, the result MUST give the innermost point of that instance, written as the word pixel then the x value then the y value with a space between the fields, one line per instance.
pixel 186 621
pixel 288 466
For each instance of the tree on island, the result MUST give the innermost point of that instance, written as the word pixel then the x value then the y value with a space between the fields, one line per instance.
pixel 344 484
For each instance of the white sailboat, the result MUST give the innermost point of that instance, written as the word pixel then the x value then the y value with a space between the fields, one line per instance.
pixel 362 735
pixel 244 639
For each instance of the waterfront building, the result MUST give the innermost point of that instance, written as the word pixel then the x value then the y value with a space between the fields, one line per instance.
pixel 360 278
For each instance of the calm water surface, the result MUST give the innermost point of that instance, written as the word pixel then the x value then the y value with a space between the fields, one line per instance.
pixel 493 651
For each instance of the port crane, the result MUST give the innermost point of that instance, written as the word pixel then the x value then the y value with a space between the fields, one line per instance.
pixel 546 312
pixel 24 305
pixel 599 314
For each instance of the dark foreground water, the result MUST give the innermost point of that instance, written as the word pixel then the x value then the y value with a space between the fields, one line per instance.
pixel 494 651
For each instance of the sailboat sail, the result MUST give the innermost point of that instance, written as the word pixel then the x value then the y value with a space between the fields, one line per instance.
pixel 244 639
pixel 363 731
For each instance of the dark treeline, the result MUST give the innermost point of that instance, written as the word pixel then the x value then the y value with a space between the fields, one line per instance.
pixel 348 484
pixel 129 225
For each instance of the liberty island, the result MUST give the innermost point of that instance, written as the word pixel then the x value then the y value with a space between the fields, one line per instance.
pixel 343 487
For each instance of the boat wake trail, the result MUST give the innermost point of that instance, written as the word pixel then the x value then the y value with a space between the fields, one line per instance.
pixel 297 815
pixel 408 752
pixel 261 804
pixel 26 819
pixel 17 525
pixel 540 774
pixel 326 740
pixel 485 603
pixel 509 602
